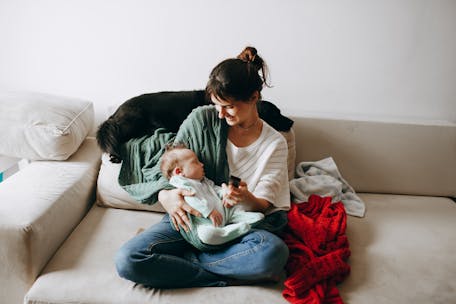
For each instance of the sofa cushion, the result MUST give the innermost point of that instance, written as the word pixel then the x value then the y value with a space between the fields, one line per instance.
pixel 111 194
pixel 383 156
pixel 402 252
pixel 39 207
pixel 40 126
pixel 291 158
pixel 86 263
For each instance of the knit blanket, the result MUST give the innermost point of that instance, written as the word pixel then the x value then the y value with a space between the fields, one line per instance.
pixel 323 178
pixel 319 251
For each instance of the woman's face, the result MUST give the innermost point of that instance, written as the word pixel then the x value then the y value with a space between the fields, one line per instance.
pixel 236 112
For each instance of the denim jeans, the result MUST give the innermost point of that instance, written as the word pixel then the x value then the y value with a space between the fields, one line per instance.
pixel 159 257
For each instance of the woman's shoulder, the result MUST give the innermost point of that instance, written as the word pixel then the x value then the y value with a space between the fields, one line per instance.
pixel 272 134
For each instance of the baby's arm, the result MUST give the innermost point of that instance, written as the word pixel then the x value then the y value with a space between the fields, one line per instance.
pixel 202 206
pixel 196 201
pixel 216 218
pixel 199 204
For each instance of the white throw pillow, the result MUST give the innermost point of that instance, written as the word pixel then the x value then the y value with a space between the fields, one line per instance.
pixel 40 126
pixel 111 194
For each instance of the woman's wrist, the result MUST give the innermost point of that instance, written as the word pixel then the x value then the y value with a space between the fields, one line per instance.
pixel 163 197
pixel 161 193
pixel 258 204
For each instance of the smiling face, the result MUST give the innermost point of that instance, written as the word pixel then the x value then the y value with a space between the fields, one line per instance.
pixel 240 113
pixel 189 165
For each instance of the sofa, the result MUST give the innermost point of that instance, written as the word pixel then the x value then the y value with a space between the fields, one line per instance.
pixel 62 218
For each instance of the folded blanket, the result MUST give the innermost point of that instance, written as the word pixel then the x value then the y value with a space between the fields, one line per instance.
pixel 323 178
pixel 140 173
pixel 319 251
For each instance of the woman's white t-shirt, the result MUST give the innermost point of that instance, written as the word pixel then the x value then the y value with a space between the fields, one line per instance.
pixel 263 166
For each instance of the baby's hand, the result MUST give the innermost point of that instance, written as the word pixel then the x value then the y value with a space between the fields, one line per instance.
pixel 216 218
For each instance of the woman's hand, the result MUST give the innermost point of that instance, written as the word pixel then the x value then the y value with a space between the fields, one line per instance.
pixel 235 195
pixel 242 195
pixel 174 203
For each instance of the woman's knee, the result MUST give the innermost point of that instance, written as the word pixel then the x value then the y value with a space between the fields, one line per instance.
pixel 124 263
pixel 134 266
pixel 274 254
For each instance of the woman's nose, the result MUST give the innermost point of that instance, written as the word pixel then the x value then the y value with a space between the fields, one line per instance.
pixel 221 113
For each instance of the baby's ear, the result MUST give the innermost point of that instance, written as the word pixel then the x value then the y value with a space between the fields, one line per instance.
pixel 177 171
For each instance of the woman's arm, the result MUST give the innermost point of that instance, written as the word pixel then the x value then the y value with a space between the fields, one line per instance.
pixel 205 134
pixel 264 169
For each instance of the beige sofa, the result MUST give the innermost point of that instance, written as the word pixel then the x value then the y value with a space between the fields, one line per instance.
pixel 57 245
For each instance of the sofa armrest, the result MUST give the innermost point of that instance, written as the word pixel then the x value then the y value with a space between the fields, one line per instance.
pixel 39 207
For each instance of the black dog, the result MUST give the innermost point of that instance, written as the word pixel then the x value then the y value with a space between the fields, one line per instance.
pixel 142 115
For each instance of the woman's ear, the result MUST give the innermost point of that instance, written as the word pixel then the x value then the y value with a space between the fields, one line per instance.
pixel 255 97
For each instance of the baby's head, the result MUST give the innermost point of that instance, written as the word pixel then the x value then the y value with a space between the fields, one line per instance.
pixel 179 160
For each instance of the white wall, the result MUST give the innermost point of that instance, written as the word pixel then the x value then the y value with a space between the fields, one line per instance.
pixel 393 58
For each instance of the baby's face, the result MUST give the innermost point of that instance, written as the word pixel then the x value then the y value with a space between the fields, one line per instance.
pixel 191 166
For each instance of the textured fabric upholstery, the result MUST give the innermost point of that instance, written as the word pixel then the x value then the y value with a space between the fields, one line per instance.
pixel 402 252
pixel 39 207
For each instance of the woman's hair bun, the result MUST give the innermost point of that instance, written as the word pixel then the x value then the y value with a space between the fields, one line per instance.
pixel 249 54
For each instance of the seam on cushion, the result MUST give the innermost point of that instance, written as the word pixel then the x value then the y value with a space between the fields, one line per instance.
pixel 77 116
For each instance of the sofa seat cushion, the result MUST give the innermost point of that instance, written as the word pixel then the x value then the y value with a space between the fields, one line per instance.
pixel 402 252
pixel 83 269
pixel 39 207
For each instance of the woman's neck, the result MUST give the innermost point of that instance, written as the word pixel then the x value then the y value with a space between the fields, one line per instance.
pixel 243 136
pixel 250 125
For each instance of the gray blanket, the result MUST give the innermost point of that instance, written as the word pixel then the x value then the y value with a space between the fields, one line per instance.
pixel 323 178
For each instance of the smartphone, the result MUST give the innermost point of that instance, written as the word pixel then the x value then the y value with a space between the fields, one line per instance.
pixel 234 180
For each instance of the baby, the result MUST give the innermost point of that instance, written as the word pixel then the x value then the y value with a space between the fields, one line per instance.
pixel 183 169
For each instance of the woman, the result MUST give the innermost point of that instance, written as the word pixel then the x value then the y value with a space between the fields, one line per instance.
pixel 232 139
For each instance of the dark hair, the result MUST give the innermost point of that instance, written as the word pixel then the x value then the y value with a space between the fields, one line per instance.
pixel 169 159
pixel 238 78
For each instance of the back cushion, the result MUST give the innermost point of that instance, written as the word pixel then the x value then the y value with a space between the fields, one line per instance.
pixel 417 158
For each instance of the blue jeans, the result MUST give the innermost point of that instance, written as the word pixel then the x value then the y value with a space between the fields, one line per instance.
pixel 159 257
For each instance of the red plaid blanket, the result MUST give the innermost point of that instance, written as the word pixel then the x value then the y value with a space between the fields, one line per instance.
pixel 319 251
